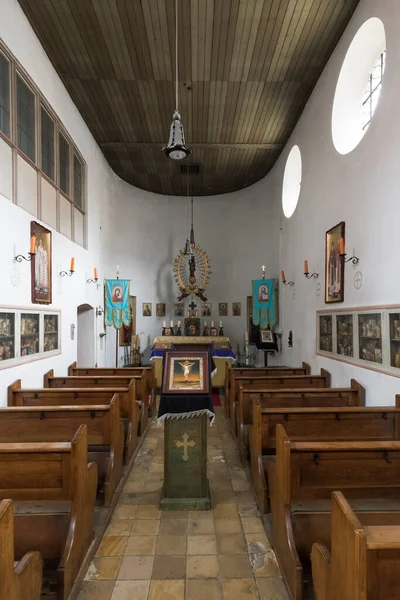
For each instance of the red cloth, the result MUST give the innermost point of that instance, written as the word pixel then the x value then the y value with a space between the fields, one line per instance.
pixel 216 398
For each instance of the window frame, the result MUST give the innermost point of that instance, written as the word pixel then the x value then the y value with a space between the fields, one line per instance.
pixel 10 100
pixel 381 63
pixel 54 179
pixel 35 117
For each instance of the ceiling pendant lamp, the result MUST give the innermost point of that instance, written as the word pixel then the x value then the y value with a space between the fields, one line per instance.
pixel 176 149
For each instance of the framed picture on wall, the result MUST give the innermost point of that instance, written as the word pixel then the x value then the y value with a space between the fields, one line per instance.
pixel 334 265
pixel 41 265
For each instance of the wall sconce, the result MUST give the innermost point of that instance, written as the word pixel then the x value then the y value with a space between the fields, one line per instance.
pixel 31 253
pixel 284 279
pixel 71 269
pixel 307 274
pixel 343 254
pixel 95 277
pixel 99 311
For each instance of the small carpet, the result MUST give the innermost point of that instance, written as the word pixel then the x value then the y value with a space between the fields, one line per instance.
pixel 216 398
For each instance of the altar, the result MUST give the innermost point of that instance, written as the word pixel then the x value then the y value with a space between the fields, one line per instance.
pixel 221 352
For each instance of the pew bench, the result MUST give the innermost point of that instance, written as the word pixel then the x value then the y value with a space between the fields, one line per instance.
pixel 21 580
pixel 303 476
pixel 280 398
pixel 105 434
pixel 232 373
pixel 129 412
pixel 54 492
pixel 274 383
pixel 364 561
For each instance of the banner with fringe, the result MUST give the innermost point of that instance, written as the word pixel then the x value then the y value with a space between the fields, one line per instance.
pixel 265 302
pixel 117 309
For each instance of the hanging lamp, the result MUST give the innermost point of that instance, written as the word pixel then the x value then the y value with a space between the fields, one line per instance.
pixel 176 148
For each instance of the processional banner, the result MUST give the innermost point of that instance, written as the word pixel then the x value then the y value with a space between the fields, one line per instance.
pixel 117 309
pixel 265 302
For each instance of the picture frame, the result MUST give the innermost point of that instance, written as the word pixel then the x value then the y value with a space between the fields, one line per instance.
pixel 206 309
pixel 236 309
pixel 334 264
pixel 41 265
pixel 160 309
pixel 223 309
pixel 179 309
pixel 266 336
pixel 146 309
pixel 128 332
pixel 186 372
pixel 192 327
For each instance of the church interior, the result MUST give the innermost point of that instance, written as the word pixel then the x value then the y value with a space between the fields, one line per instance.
pixel 199 340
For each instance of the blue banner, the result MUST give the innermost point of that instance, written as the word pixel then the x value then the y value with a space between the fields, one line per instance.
pixel 265 302
pixel 117 310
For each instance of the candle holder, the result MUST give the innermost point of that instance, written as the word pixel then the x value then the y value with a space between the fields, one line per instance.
pixel 287 282
pixel 95 280
pixel 353 259
pixel 21 257
pixel 311 275
pixel 66 273
pixel 99 311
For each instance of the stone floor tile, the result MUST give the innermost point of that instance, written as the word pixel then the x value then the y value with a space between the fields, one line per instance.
pixel 223 497
pixel 141 545
pixel 240 485
pixel 203 589
pixel 239 589
pixel 129 498
pixel 112 545
pixel 272 588
pixel 233 566
pixel 226 511
pixel 145 527
pixel 136 567
pixel 221 485
pixel 249 510
pixel 103 568
pixel 148 512
pixel 133 486
pixel 150 498
pixel 96 590
pixel 129 590
pixel 264 565
pixel 201 527
pixel 173 527
pixel 173 545
pixel 125 512
pixel 202 567
pixel 244 497
pixel 202 544
pixel 167 590
pixel 169 567
pixel 119 527
pixel 200 514
pixel 174 514
pixel 228 526
pixel 231 544
pixel 152 486
pixel 252 525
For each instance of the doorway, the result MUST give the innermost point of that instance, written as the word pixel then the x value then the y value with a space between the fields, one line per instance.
pixel 86 335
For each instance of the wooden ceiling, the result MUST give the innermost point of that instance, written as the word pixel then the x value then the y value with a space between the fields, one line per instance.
pixel 247 68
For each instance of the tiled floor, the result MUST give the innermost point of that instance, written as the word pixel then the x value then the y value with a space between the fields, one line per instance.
pixel 221 554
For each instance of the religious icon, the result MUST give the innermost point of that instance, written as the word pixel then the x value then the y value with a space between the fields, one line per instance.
pixel 192 326
pixel 213 332
pixel 186 372
pixel 263 293
pixel 168 331
pixel 206 309
pixel 147 309
pixel 41 265
pixel 223 309
pixel 334 279
pixel 179 309
pixel 117 294
pixel 193 314
pixel 160 309
pixel 236 309
pixel 267 337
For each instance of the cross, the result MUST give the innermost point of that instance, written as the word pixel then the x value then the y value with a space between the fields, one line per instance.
pixel 192 305
pixel 185 444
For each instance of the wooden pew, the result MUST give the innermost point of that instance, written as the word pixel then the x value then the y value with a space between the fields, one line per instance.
pixel 364 562
pixel 302 478
pixel 108 381
pixel 129 412
pixel 352 396
pixel 22 581
pixel 232 373
pixel 147 371
pixel 54 490
pixel 275 382
pixel 105 433
pixel 314 424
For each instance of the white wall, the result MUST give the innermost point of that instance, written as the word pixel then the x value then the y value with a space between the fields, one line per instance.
pixel 360 188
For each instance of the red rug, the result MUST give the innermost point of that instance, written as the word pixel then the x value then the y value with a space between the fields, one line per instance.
pixel 216 398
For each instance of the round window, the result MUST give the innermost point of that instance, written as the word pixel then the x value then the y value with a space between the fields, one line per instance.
pixel 291 182
pixel 359 86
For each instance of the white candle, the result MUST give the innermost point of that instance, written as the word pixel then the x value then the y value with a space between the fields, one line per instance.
pixel 263 268
pixel 164 324
pixel 212 323
pixel 246 337
pixel 220 323
pixel 172 323
pixel 205 323
pixel 179 323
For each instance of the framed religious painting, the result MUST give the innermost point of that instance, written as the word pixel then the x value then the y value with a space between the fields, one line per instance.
pixel 128 332
pixel 223 309
pixel 41 267
pixel 236 309
pixel 179 309
pixel 266 336
pixel 186 372
pixel 334 265
pixel 192 326
pixel 146 309
pixel 206 309
pixel 160 309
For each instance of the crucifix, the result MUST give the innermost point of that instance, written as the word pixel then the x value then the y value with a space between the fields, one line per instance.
pixel 185 445
pixel 192 305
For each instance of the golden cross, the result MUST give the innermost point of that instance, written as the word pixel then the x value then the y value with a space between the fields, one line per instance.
pixel 185 444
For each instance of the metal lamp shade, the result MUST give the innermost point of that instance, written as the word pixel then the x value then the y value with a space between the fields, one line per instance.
pixel 176 149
